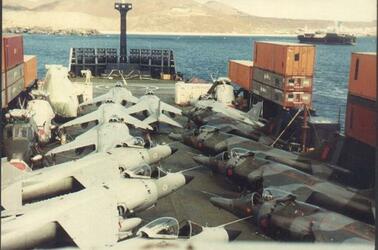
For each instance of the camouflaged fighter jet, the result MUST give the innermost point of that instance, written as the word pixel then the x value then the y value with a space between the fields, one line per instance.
pixel 251 117
pixel 168 229
pixel 104 114
pixel 225 124
pixel 280 216
pixel 118 94
pixel 93 218
pixel 86 172
pixel 211 140
pixel 104 137
pixel 252 171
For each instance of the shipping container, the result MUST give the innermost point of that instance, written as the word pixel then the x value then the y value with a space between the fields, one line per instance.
pixel 363 75
pixel 4 102
pixel 14 90
pixel 185 93
pixel 360 121
pixel 262 90
pixel 11 76
pixel 30 70
pixel 240 73
pixel 288 59
pixel 287 83
pixel 287 99
pixel 13 52
pixel 292 99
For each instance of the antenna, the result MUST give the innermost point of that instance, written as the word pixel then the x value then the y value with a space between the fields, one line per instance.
pixel 123 8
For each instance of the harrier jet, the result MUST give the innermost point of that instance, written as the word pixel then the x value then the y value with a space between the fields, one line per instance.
pixel 284 218
pixel 93 218
pixel 211 140
pixel 76 175
pixel 114 133
pixel 168 229
pixel 154 109
pixel 104 113
pixel 253 171
pixel 118 94
pixel 250 118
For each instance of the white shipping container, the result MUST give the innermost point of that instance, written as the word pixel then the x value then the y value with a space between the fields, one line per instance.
pixel 185 93
pixel 13 75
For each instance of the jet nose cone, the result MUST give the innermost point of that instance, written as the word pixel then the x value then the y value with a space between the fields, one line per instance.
pixel 221 202
pixel 201 159
pixel 173 149
pixel 188 178
pixel 175 137
pixel 232 234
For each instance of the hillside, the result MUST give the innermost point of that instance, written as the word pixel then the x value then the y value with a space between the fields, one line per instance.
pixel 161 16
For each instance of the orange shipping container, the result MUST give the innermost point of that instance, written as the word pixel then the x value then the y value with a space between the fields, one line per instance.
pixel 30 70
pixel 12 51
pixel 363 75
pixel 360 123
pixel 287 59
pixel 240 72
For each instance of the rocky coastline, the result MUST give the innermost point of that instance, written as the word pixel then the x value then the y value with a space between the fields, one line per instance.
pixel 51 31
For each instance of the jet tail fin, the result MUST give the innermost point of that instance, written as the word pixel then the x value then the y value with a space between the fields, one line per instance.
pixel 255 112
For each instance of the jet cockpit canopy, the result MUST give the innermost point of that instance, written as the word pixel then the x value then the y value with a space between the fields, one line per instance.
pixel 162 228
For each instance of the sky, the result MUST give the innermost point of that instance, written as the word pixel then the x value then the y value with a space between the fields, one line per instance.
pixel 335 10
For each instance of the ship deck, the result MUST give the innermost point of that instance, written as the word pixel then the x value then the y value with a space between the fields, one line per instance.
pixel 189 202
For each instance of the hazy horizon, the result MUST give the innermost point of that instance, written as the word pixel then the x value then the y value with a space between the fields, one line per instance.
pixel 334 10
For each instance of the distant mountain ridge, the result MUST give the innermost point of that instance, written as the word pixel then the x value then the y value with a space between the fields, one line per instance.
pixel 178 16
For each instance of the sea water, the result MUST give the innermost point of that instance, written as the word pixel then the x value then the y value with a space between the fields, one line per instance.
pixel 201 56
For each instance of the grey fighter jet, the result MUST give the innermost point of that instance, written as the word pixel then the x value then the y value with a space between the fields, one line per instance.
pixel 93 218
pixel 118 94
pixel 154 109
pixel 104 137
pixel 284 218
pixel 104 113
pixel 80 174
pixel 211 140
pixel 251 171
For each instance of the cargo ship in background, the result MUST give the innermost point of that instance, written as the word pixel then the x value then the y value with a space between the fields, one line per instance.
pixel 327 38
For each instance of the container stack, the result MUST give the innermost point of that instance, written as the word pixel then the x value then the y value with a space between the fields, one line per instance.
pixel 360 121
pixel 18 71
pixel 283 73
pixel 240 72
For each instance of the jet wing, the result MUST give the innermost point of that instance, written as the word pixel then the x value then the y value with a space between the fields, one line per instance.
pixel 86 139
pixel 139 107
pixel 132 99
pixel 100 214
pixel 169 108
pixel 124 113
pixel 101 98
pixel 165 119
pixel 93 116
